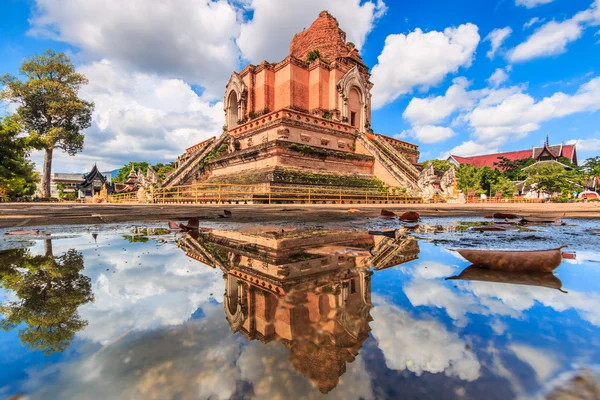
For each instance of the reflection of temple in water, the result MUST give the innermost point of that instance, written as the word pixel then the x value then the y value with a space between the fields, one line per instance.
pixel 311 290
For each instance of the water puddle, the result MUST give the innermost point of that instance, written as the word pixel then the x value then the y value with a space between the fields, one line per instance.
pixel 280 311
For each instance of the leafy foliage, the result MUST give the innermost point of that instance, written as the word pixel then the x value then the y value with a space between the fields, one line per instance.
pixel 438 165
pixel 48 106
pixel 17 175
pixel 513 169
pixel 124 171
pixel 48 292
pixel 592 166
pixel 552 178
pixel 313 55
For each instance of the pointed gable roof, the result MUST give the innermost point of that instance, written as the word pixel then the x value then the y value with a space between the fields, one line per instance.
pixel 91 176
pixel 489 160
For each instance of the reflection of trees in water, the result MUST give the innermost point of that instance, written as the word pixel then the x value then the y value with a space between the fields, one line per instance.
pixel 49 290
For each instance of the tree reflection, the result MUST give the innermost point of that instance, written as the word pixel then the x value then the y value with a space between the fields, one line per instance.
pixel 48 290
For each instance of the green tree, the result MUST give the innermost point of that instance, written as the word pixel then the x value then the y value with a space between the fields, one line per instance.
pixel 48 106
pixel 469 178
pixel 513 169
pixel 17 175
pixel 124 171
pixel 48 292
pixel 438 165
pixel 591 166
pixel 162 170
pixel 504 185
pixel 552 178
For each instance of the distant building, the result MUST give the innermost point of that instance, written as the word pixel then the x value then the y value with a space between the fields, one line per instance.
pixel 93 182
pixel 67 182
pixel 544 153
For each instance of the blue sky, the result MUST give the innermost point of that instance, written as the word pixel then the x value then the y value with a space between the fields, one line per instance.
pixel 157 73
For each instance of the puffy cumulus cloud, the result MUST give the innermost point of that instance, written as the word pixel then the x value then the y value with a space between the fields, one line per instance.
pixel 496 38
pixel 497 115
pixel 430 133
pixel 470 148
pixel 421 60
pixel 519 114
pixel 532 3
pixel 190 39
pixel 267 35
pixel 420 346
pixel 433 110
pixel 553 37
pixel 498 77
pixel 586 145
pixel 138 116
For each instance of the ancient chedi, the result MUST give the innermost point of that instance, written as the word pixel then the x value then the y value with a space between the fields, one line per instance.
pixel 303 121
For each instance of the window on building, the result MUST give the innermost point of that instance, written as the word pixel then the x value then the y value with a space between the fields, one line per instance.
pixel 352 286
pixel 353 118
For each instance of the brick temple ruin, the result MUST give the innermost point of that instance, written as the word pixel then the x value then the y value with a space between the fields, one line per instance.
pixel 305 120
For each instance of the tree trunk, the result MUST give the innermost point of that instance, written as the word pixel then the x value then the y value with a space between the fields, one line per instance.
pixel 46 172
pixel 48 248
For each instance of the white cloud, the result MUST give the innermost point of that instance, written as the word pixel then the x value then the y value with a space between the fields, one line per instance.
pixel 190 39
pixel 553 37
pixel 543 364
pixel 470 148
pixel 519 114
pixel 532 3
pixel 431 133
pixel 138 117
pixel 498 77
pixel 496 38
pixel 433 110
pixel 274 23
pixel 532 21
pixel 586 145
pixel 420 346
pixel 421 60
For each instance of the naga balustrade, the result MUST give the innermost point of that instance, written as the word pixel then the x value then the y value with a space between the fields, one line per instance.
pixel 257 194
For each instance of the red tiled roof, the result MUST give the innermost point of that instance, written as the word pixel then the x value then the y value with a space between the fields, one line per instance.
pixel 488 160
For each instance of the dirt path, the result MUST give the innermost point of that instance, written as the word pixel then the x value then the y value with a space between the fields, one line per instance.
pixel 21 215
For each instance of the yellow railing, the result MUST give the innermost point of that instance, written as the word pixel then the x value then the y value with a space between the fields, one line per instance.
pixel 258 194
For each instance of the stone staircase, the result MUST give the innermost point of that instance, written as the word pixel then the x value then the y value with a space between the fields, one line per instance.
pixel 195 249
pixel 187 169
pixel 394 161
pixel 386 251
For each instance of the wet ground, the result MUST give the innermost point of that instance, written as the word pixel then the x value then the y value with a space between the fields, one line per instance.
pixel 302 310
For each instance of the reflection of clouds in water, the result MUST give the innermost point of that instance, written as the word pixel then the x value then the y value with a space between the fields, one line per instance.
pixel 200 359
pixel 488 298
pixel 196 359
pixel 420 346
pixel 272 375
pixel 429 270
pixel 542 363
pixel 158 292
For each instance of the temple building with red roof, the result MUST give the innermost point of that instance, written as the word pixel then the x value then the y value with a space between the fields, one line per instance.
pixel 544 153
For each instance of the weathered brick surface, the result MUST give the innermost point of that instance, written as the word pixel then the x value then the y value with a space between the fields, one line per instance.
pixel 326 36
